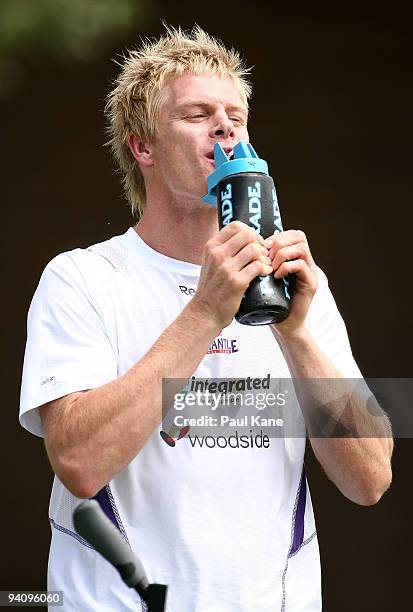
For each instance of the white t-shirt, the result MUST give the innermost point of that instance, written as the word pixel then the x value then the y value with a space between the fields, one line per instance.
pixel 228 529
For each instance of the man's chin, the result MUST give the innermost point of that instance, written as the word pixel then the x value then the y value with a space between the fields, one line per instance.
pixel 204 204
pixel 199 191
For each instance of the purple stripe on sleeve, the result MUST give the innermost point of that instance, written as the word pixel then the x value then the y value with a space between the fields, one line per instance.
pixel 298 536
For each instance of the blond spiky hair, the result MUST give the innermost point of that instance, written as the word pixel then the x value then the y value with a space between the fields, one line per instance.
pixel 133 104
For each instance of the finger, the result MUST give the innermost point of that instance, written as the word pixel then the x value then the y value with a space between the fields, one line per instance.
pixel 250 252
pixel 240 240
pixel 283 239
pixel 301 269
pixel 233 228
pixel 252 270
pixel 295 251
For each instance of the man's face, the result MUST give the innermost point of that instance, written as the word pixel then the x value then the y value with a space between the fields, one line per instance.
pixel 195 113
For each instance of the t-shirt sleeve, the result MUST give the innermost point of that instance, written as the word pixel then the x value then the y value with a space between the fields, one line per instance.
pixel 329 331
pixel 67 347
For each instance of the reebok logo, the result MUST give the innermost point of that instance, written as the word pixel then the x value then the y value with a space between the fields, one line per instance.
pixel 186 290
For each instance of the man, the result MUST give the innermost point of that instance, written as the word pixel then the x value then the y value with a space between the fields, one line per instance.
pixel 227 529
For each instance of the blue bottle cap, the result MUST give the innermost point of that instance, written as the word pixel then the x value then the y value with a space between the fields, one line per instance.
pixel 244 159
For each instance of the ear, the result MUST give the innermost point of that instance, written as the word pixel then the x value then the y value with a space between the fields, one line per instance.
pixel 141 151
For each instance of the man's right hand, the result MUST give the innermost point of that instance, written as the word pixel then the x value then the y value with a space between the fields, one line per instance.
pixel 231 259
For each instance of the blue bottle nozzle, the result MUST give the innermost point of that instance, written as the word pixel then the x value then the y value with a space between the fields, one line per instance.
pixel 244 159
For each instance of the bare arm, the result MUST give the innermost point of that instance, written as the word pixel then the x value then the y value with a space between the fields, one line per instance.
pixel 359 466
pixel 92 435
pixel 359 463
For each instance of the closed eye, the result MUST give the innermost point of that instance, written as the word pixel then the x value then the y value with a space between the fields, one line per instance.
pixel 236 120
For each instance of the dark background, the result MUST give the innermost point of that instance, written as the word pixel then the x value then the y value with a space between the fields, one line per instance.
pixel 331 113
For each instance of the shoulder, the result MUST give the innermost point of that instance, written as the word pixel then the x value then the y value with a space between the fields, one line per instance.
pixel 323 309
pixel 323 291
pixel 92 266
pixel 322 278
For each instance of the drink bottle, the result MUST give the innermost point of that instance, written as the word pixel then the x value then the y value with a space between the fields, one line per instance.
pixel 242 190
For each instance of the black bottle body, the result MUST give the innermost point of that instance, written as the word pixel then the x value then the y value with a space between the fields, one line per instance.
pixel 251 197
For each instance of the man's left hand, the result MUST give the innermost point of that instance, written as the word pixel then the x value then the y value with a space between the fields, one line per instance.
pixel 290 254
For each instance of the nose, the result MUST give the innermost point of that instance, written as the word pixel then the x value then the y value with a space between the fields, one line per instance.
pixel 221 126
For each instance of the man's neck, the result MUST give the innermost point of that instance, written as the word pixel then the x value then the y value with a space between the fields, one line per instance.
pixel 178 232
